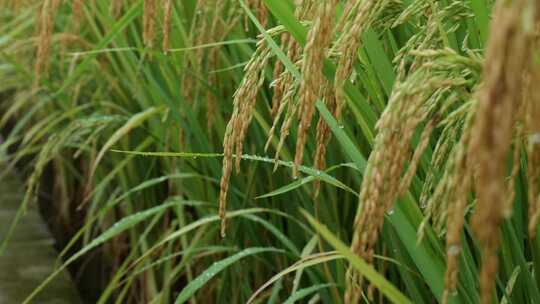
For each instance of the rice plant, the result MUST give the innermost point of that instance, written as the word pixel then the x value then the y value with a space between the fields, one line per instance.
pixel 280 151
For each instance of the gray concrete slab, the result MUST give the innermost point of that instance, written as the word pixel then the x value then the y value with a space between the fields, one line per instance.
pixel 30 256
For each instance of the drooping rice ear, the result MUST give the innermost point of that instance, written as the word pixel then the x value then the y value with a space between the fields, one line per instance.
pixel 285 85
pixel 507 56
pixel 262 13
pixel 344 70
pixel 278 78
pixel 415 161
pixel 516 155
pixel 386 163
pixel 46 17
pixel 460 180
pixel 244 101
pixel 349 43
pixel 323 136
pixel 318 40
pixel 415 99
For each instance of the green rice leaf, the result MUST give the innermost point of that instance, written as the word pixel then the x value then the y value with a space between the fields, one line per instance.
pixel 216 268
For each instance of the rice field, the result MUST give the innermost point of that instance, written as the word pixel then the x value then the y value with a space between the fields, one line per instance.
pixel 278 151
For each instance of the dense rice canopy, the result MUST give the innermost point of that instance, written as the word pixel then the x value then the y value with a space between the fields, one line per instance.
pixel 382 150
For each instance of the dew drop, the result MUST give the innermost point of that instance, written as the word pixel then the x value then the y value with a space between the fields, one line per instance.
pixel 454 250
pixel 534 139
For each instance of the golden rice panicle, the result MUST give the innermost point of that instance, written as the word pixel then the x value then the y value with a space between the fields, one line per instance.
pixel 262 12
pixel 243 106
pixel 46 16
pixel 460 180
pixel 348 45
pixel 507 56
pixel 277 118
pixel 246 113
pixel 167 15
pixel 279 74
pixel 149 22
pixel 372 181
pixel 286 87
pixel 286 126
pixel 408 107
pixel 318 40
pixel 438 196
pixel 383 173
pixel 516 154
pixel 278 88
pixel 285 101
pixel 348 9
pixel 228 147
pixel 415 161
pixel 284 84
pixel 323 136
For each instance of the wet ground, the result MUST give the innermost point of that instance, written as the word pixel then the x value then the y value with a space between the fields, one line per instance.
pixel 30 256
